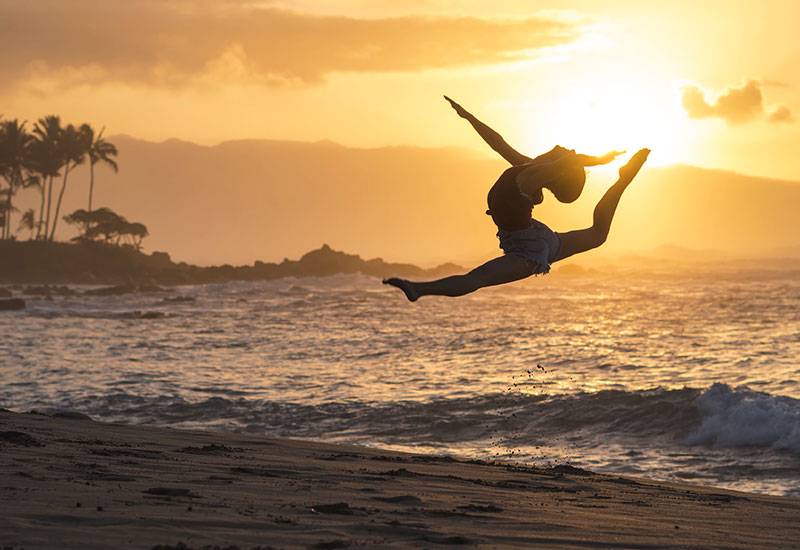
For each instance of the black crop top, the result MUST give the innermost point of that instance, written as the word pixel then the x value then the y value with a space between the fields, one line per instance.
pixel 508 207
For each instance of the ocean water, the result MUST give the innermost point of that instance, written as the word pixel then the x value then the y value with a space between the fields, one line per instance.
pixel 677 374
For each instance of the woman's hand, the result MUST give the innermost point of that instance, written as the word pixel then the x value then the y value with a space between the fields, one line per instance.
pixel 463 113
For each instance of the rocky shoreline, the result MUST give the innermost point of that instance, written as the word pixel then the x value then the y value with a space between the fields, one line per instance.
pixel 36 264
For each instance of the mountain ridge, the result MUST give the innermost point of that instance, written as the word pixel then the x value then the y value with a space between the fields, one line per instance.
pixel 269 199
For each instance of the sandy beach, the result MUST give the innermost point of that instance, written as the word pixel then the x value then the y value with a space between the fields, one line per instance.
pixel 70 482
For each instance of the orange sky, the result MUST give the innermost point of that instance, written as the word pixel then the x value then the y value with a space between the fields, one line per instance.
pixel 712 84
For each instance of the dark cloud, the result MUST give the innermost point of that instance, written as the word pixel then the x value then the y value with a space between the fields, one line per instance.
pixel 173 42
pixel 734 104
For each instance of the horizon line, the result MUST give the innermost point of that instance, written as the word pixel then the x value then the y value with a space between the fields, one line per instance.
pixel 475 151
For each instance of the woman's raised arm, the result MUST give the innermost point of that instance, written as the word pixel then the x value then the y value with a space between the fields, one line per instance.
pixel 492 138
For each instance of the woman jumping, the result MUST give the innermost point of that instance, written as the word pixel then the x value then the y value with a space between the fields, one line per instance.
pixel 529 246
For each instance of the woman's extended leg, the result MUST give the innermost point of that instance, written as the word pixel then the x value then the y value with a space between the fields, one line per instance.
pixel 504 269
pixel 582 240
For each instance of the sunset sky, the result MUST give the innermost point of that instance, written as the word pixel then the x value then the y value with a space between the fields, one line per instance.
pixel 712 84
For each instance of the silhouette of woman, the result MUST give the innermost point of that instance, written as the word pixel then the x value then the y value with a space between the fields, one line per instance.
pixel 529 246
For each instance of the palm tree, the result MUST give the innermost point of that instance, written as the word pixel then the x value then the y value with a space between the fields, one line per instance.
pixel 72 150
pixel 28 221
pixel 14 144
pixel 98 150
pixel 43 160
pixel 48 162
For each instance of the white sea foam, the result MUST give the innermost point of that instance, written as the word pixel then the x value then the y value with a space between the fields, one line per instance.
pixel 742 417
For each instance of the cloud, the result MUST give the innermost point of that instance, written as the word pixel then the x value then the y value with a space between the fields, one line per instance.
pixel 775 84
pixel 177 42
pixel 781 114
pixel 734 104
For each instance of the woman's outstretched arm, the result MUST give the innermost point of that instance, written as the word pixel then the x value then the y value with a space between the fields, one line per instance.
pixel 492 138
pixel 590 160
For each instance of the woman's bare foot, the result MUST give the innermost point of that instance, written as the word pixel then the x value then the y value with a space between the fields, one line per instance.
pixel 406 286
pixel 629 171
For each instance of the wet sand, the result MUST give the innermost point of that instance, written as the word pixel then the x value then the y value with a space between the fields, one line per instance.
pixel 70 482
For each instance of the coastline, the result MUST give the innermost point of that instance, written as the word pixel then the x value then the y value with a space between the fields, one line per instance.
pixel 70 482
pixel 93 263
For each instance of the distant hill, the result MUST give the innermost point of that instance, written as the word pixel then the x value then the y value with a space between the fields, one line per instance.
pixel 258 199
pixel 711 210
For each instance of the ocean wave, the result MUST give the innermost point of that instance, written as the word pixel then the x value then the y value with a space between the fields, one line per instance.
pixel 645 414
pixel 715 417
pixel 739 417
pixel 735 437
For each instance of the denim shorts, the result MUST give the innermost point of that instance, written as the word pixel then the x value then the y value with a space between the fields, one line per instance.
pixel 537 243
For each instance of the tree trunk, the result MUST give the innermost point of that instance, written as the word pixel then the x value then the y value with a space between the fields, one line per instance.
pixel 9 208
pixel 41 208
pixel 91 190
pixel 7 228
pixel 4 213
pixel 58 204
pixel 49 205
pixel 91 184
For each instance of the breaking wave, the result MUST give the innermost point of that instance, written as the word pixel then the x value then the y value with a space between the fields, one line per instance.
pixel 717 417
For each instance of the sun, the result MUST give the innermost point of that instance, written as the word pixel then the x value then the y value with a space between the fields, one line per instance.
pixel 593 119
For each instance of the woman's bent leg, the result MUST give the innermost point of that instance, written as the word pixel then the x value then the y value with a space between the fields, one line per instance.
pixel 504 269
pixel 574 242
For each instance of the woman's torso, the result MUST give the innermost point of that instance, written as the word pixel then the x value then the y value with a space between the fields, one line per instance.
pixel 509 208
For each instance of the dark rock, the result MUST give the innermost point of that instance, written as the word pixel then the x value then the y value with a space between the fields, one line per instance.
pixel 43 290
pixel 12 305
pixel 5 293
pixel 326 261
pixel 161 259
pixel 341 508
pixel 117 290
